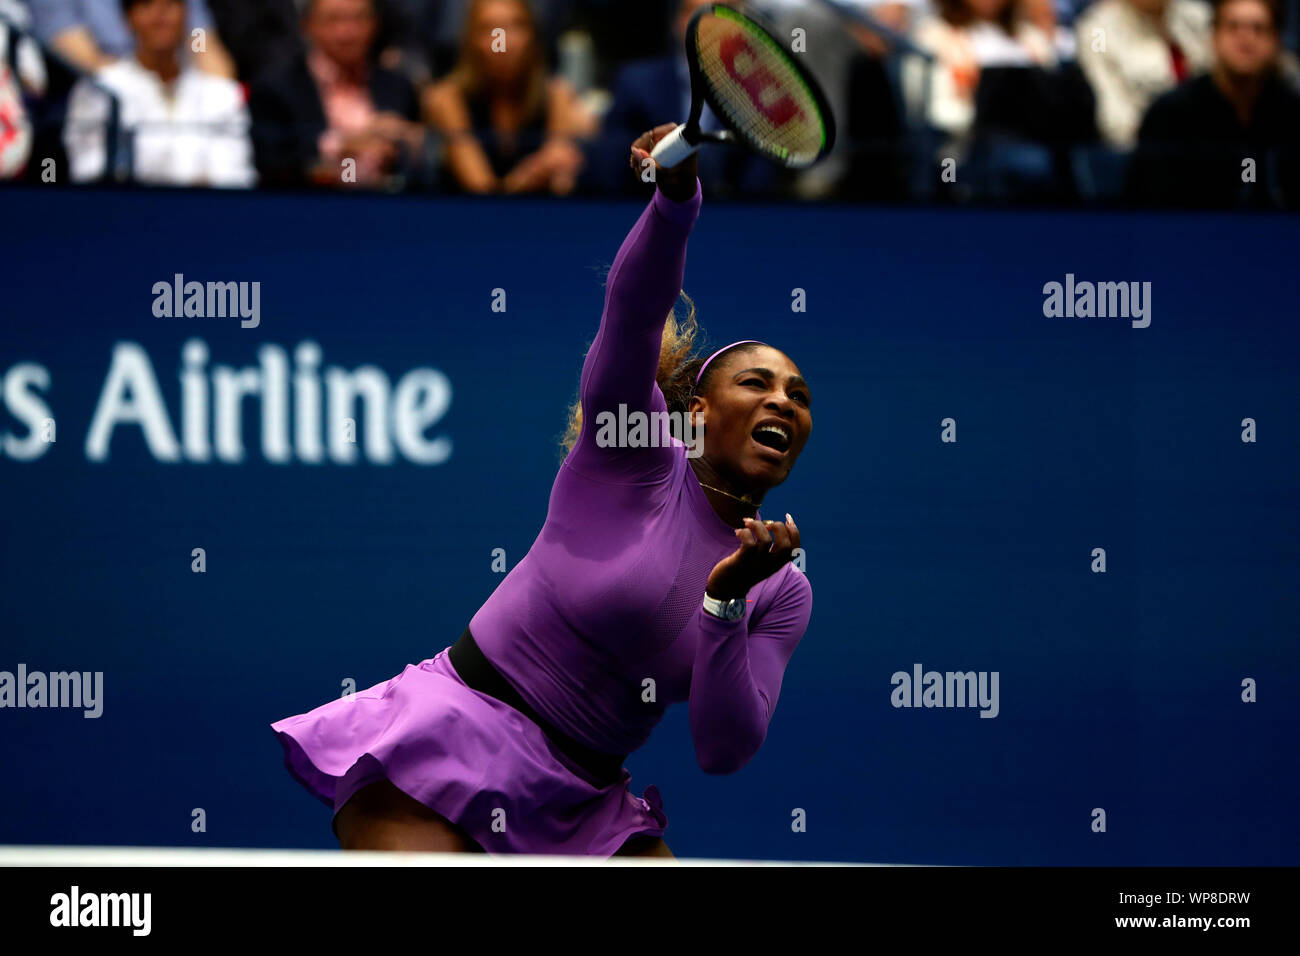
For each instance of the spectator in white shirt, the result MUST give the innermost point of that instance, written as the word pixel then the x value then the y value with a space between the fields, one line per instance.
pixel 1132 51
pixel 181 126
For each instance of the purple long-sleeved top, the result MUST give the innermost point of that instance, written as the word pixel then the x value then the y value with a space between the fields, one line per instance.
pixel 609 597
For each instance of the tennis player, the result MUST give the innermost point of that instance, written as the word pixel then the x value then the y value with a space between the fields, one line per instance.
pixel 653 581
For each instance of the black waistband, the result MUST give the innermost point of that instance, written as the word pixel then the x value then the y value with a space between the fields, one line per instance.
pixel 477 671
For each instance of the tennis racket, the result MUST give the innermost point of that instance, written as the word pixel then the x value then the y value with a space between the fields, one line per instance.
pixel 763 96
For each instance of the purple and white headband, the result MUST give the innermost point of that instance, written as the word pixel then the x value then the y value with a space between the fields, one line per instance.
pixel 719 352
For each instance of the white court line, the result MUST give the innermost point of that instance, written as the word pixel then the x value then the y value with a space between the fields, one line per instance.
pixel 184 856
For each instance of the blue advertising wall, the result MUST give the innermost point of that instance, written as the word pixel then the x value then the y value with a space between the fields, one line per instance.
pixel 1120 690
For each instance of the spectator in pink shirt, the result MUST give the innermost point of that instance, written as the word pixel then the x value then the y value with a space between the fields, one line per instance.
pixel 335 116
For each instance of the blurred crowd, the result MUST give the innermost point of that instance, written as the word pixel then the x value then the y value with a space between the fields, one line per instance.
pixel 1171 102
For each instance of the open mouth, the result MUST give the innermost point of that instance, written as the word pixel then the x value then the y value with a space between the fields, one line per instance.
pixel 774 436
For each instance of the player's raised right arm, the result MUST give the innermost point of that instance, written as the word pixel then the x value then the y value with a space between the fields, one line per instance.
pixel 642 286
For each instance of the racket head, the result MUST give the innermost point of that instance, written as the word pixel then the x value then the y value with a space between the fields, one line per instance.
pixel 758 90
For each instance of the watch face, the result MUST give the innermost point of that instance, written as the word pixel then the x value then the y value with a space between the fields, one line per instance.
pixel 734 610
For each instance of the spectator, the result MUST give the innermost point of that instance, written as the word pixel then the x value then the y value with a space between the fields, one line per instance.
pixel 91 34
pixel 181 126
pixel 1047 16
pixel 441 25
pixel 1231 137
pixel 334 104
pixel 657 90
pixel 15 128
pixel 966 37
pixel 22 78
pixel 1029 117
pixel 264 34
pixel 509 126
pixel 1134 50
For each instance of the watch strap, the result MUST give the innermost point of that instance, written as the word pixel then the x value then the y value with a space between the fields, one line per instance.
pixel 718 608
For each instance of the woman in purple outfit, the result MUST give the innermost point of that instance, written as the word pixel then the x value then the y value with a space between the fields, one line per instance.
pixel 653 581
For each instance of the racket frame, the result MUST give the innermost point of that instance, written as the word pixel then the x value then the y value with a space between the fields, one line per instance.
pixel 702 91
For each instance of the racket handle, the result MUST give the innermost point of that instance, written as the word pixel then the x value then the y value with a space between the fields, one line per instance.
pixel 673 148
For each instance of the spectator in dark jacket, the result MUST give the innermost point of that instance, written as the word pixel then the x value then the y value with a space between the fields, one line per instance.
pixel 333 117
pixel 261 34
pixel 1231 137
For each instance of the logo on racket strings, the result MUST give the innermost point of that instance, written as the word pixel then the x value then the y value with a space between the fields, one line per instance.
pixel 757 81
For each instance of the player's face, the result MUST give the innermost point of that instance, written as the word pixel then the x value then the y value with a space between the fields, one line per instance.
pixel 1245 43
pixel 750 391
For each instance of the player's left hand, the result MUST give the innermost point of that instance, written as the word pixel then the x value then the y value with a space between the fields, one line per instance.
pixel 765 548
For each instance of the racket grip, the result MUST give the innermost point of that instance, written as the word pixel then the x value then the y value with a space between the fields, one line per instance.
pixel 673 148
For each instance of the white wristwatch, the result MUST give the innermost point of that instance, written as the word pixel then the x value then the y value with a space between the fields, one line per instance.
pixel 732 610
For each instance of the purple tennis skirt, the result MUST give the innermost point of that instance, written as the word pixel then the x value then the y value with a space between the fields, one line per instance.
pixel 469 757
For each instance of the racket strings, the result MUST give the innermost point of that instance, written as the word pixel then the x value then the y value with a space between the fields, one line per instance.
pixel 760 91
